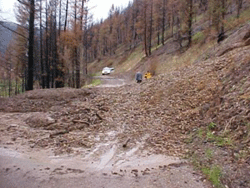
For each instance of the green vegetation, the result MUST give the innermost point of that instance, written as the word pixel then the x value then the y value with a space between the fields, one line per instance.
pixel 207 134
pixel 214 174
pixel 4 88
pixel 200 132
pixel 198 37
pixel 211 126
pixel 218 140
pixel 209 153
pixel 94 82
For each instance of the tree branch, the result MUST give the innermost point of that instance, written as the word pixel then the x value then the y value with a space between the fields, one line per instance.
pixel 26 4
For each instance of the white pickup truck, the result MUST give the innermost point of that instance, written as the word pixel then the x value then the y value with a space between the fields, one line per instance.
pixel 107 70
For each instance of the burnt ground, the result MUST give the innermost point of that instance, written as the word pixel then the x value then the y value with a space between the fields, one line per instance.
pixel 198 116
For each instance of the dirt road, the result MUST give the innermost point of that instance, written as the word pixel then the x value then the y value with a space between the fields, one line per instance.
pixel 110 81
pixel 42 169
pixel 106 165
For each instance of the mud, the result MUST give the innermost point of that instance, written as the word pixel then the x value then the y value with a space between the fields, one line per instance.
pixel 105 164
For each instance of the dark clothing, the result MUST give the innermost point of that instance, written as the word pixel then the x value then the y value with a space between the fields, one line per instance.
pixel 221 37
pixel 138 77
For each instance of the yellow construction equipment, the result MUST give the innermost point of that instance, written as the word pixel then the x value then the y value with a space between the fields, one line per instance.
pixel 147 75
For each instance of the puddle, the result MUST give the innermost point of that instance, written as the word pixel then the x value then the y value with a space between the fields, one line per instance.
pixel 9 153
pixel 132 151
pixel 107 158
pixel 111 156
pixel 152 161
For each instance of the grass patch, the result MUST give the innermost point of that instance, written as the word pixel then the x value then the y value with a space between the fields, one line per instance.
pixel 209 153
pixel 96 82
pixel 214 174
pixel 218 140
pixel 200 133
pixel 208 134
pixel 211 126
pixel 198 37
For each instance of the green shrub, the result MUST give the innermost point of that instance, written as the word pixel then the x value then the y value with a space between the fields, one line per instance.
pixel 209 153
pixel 96 82
pixel 214 174
pixel 211 126
pixel 198 37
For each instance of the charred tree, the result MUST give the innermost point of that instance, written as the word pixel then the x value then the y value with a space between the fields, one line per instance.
pixel 190 20
pixel 31 46
pixel 41 49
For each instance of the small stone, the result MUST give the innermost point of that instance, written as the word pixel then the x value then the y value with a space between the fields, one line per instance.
pixel 115 173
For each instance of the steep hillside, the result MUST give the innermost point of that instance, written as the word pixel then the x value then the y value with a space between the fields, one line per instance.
pixel 6 35
pixel 170 56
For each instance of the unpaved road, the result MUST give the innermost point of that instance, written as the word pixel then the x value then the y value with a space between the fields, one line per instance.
pixel 106 165
pixel 110 81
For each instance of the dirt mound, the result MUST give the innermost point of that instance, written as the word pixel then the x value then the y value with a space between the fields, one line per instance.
pixel 43 100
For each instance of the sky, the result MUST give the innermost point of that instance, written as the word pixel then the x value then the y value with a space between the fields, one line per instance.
pixel 99 8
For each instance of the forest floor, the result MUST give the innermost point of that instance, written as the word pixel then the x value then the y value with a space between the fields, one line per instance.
pixel 152 134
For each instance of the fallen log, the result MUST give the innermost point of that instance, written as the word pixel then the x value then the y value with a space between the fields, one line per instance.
pixel 126 142
pixel 58 133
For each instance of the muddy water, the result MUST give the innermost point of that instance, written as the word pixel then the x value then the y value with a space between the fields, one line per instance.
pixel 113 168
pixel 107 165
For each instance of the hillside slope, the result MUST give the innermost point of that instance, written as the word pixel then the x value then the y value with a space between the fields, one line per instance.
pixel 6 35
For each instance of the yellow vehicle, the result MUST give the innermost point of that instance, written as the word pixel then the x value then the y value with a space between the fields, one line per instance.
pixel 147 75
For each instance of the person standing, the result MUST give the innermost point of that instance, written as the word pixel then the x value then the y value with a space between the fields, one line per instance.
pixel 138 77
